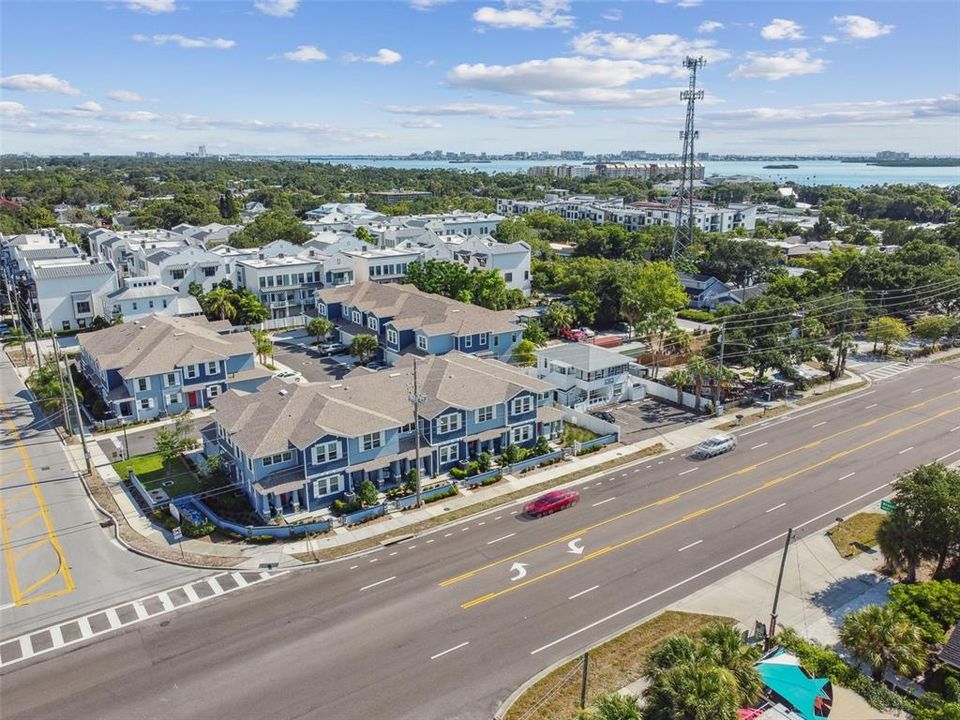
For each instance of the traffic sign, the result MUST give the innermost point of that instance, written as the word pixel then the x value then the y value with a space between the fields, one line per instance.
pixel 177 534
pixel 887 505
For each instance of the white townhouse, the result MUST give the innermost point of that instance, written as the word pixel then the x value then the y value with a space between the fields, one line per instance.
pixel 585 375
pixel 139 298
pixel 66 294
pixel 283 282
pixel 178 269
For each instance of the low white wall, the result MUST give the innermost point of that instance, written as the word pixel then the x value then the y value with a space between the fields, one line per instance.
pixel 665 392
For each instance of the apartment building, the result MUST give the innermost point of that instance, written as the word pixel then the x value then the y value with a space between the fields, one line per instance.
pixel 282 277
pixel 585 375
pixel 138 298
pixel 293 448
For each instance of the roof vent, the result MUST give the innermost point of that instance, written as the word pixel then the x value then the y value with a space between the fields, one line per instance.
pixel 282 392
pixel 395 374
pixel 337 385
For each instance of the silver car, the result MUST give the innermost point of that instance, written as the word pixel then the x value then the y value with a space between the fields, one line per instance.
pixel 717 445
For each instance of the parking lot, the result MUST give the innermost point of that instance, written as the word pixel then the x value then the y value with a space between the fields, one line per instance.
pixel 642 419
pixel 307 361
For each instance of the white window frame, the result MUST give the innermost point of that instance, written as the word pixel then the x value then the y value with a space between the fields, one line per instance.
pixel 143 384
pixel 371 441
pixel 215 365
pixel 521 405
pixel 421 342
pixel 174 399
pixel 521 433
pixel 166 379
pixel 331 452
pixel 213 391
pixel 449 453
pixel 484 338
pixel 330 484
pixel 484 411
pixel 468 341
pixel 191 372
pixel 373 324
pixel 357 317
pixel 149 403
pixel 278 458
pixel 453 421
pixel 393 336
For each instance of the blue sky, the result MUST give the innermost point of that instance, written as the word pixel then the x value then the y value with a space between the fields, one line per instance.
pixel 301 76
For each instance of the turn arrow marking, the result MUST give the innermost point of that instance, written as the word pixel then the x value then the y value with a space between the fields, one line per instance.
pixel 575 547
pixel 520 569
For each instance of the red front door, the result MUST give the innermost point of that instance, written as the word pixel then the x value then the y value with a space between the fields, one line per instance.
pixel 193 399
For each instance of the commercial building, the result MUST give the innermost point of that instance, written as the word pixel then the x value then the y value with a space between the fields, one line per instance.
pixel 293 448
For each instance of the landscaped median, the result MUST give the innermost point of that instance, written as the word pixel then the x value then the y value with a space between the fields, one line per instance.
pixel 613 665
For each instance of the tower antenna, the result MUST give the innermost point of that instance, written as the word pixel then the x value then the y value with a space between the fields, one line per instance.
pixel 683 235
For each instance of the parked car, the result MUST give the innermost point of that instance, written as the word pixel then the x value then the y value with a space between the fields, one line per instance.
pixel 551 502
pixel 587 332
pixel 717 445
pixel 332 348
pixel 288 376
pixel 574 334
pixel 605 416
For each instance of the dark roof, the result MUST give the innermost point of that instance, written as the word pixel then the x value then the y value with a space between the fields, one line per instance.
pixel 951 651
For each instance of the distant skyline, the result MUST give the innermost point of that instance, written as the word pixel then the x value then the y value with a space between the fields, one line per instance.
pixel 289 77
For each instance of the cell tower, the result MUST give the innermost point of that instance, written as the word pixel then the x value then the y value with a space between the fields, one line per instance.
pixel 683 232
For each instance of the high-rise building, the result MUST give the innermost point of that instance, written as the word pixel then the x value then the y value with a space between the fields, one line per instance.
pixel 892 155
pixel 202 151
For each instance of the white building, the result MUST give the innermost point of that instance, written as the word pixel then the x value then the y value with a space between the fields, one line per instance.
pixel 66 294
pixel 282 277
pixel 585 375
pixel 179 269
pixel 139 298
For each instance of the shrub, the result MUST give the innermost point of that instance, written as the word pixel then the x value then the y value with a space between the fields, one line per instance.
pixel 513 454
pixel 484 461
pixel 440 496
pixel 458 472
pixel 703 316
pixel 198 531
pixel 489 481
pixel 342 507
pixel 367 494
pixel 542 447
pixel 587 451
pixel 933 606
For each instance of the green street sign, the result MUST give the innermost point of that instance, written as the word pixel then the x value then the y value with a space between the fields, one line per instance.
pixel 886 505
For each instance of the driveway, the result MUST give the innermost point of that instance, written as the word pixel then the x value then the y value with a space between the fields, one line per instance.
pixel 642 419
pixel 307 361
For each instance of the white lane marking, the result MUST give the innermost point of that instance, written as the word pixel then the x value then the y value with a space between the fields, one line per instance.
pixel 464 529
pixel 496 540
pixel 354 567
pixel 687 547
pixel 941 459
pixel 609 499
pixel 848 475
pixel 905 450
pixel 871 406
pixel 916 391
pixel 392 554
pixel 700 574
pixel 582 592
pixel 7 606
pixel 480 524
pixel 412 547
pixel 429 541
pixel 85 629
pixel 114 619
pixel 757 447
pixel 955 429
pixel 599 483
pixel 660 462
pixel 636 471
pixel 379 582
pixel 212 582
pixel 56 634
pixel 648 467
pixel 191 593
pixel 498 517
pixel 375 559
pixel 775 507
pixel 819 424
pixel 514 512
pixel 773 423
pixel 448 534
pixel 688 471
pixel 450 650
pixel 955 377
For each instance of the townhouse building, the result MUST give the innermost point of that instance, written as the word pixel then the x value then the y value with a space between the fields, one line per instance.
pixel 167 365
pixel 65 293
pixel 585 375
pixel 294 448
pixel 138 298
pixel 282 276
pixel 407 320
pixel 179 269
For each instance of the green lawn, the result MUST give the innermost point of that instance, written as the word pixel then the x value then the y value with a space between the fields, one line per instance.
pixel 152 473
pixel 575 433
pixel 856 533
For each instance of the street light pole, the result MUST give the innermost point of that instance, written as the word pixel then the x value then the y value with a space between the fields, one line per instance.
pixel 776 595
pixel 76 409
pixel 416 398
pixel 723 342
pixel 63 386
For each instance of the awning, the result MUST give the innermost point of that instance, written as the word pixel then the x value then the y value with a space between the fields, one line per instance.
pixel 810 697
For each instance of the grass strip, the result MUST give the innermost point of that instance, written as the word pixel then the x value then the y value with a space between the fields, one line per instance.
pixel 856 534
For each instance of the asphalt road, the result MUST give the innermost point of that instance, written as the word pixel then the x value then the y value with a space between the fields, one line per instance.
pixel 437 627
pixel 57 561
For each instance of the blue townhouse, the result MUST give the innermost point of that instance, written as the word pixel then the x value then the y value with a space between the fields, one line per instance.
pixel 164 365
pixel 298 447
pixel 407 320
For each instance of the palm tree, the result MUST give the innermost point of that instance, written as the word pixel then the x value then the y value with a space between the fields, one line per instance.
pixel 843 344
pixel 900 543
pixel 362 347
pixel 883 638
pixel 558 317
pixel 674 650
pixel 220 301
pixel 737 657
pixel 678 379
pixel 616 707
pixel 679 342
pixel 692 690
pixel 699 369
pixel 320 327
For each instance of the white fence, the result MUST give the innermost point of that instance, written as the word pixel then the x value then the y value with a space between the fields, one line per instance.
pixel 590 422
pixel 665 392
pixel 294 321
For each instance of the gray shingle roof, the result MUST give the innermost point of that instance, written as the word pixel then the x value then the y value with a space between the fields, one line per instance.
pixel 59 272
pixel 951 651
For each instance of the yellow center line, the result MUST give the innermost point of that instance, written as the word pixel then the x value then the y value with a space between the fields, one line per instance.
pixel 703 511
pixel 677 496
pixel 18 594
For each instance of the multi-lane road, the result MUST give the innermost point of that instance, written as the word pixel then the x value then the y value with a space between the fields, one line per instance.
pixel 446 625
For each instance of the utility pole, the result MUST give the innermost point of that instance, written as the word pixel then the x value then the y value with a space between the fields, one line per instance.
pixel 683 235
pixel 63 386
pixel 776 595
pixel 583 680
pixel 416 398
pixel 14 311
pixel 126 443
pixel 36 342
pixel 76 409
pixel 723 342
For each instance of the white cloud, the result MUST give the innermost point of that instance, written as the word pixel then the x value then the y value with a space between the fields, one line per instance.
pixel 663 48
pixel 44 83
pixel 526 15
pixel 616 97
pixel 781 29
pixel 9 108
pixel 89 107
pixel 305 53
pixel 708 26
pixel 490 110
pixel 421 123
pixel 124 96
pixel 613 15
pixel 829 38
pixel 424 5
pixel 277 8
pixel 781 65
pixel 858 27
pixel 184 41
pixel 689 3
pixel 151 6
pixel 384 56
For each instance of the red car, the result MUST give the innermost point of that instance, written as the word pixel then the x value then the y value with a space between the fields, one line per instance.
pixel 552 502
pixel 574 334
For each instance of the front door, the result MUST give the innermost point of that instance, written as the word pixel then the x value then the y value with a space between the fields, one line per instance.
pixel 193 399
